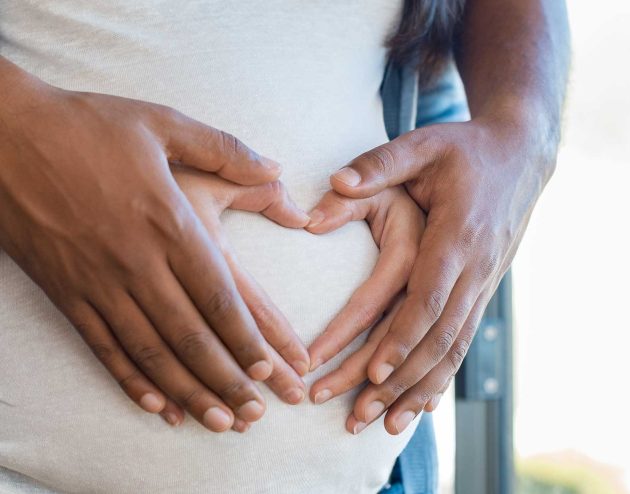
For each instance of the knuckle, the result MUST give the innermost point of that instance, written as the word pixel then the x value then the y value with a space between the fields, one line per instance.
pixel 489 264
pixel 458 353
pixel 167 112
pixel 190 399
pixel 150 359
pixel 422 397
pixel 276 189
pixel 399 348
pixel 263 315
pixel 434 302
pixel 219 304
pixel 103 352
pixel 249 349
pixel 177 221
pixel 366 314
pixel 229 145
pixel 470 235
pixel 286 347
pixel 236 391
pixel 399 386
pixel 380 159
pixel 193 345
pixel 444 338
pixel 126 381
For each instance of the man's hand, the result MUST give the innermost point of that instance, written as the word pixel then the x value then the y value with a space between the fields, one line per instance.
pixel 478 182
pixel 210 195
pixel 90 210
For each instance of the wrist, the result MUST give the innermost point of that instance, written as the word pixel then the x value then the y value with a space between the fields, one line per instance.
pixel 525 129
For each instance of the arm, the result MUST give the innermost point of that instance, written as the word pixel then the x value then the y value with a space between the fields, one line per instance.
pixel 478 182
pixel 90 211
pixel 513 56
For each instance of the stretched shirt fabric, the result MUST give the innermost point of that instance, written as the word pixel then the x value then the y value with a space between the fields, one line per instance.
pixel 297 81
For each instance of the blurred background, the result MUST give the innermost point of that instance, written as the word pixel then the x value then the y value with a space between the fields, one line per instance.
pixel 571 286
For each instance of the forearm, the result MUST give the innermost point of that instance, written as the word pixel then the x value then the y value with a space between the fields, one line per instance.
pixel 513 56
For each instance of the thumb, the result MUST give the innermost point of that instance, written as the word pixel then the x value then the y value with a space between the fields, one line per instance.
pixel 334 210
pixel 192 143
pixel 387 165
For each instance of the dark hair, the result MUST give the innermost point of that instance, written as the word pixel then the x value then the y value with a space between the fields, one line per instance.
pixel 425 35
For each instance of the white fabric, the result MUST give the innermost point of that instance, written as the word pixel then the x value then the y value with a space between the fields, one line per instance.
pixel 296 80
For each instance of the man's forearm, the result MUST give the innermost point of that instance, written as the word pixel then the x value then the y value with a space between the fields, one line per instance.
pixel 514 56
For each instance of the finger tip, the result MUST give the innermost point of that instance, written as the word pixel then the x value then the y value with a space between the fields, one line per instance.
pixel 294 396
pixel 316 363
pixel 347 176
pixel 301 366
pixel 354 425
pixel 171 418
pixel 260 370
pixel 321 396
pixel 152 402
pixel 378 372
pixel 241 426
pixel 315 218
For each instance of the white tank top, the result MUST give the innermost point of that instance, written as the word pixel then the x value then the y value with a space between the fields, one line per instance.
pixel 298 81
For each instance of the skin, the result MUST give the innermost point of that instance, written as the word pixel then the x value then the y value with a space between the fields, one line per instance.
pixel 90 210
pixel 210 195
pixel 478 183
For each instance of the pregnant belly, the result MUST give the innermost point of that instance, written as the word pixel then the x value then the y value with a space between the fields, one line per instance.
pixel 65 423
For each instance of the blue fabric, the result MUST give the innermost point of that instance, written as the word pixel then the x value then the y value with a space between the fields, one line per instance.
pixel 416 469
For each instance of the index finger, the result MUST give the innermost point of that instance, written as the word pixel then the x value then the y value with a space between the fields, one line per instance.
pixel 192 143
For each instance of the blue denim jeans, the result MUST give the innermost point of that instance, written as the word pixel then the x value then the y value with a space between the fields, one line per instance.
pixel 416 469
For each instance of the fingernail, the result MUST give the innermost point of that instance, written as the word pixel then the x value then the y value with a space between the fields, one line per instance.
pixel 300 367
pixel 151 403
pixel 316 363
pixel 322 396
pixel 271 164
pixel 348 176
pixel 373 410
pixel 250 411
pixel 216 419
pixel 317 217
pixel 404 420
pixel 294 395
pixel 260 371
pixel 241 426
pixel 383 371
pixel 358 427
pixel 171 419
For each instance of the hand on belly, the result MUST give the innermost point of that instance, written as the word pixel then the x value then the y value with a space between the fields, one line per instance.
pixel 396 224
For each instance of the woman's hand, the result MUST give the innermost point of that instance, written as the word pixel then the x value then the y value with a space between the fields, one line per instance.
pixel 478 183
pixel 210 195
pixel 397 225
pixel 353 372
pixel 90 210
